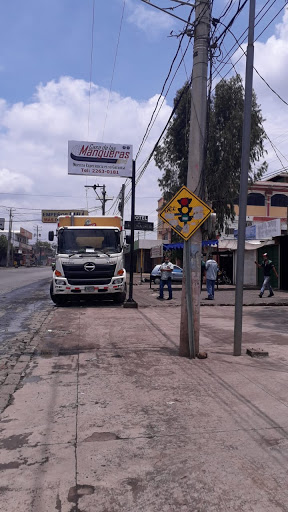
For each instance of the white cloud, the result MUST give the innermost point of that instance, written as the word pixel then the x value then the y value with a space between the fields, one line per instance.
pixel 33 145
pixel 14 181
pixel 149 19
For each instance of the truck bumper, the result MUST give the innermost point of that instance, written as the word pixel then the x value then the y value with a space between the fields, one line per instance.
pixel 62 287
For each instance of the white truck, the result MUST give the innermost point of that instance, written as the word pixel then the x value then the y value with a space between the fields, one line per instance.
pixel 89 261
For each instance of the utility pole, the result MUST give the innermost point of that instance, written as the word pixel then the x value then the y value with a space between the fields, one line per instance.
pixel 190 305
pixel 8 257
pixel 121 201
pixel 38 235
pixel 245 158
pixel 104 199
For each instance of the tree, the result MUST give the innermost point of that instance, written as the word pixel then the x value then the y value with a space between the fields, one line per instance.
pixel 223 149
pixel 3 246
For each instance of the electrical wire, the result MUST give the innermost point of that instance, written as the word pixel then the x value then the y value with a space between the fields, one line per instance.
pixel 162 90
pixel 243 36
pixel 113 71
pixel 91 63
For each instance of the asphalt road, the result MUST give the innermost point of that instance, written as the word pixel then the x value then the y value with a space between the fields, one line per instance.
pixel 14 278
pixel 24 294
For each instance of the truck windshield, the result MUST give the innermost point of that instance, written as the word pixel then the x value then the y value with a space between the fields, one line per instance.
pixel 91 241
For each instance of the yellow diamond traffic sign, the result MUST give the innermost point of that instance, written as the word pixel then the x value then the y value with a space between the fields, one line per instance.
pixel 185 213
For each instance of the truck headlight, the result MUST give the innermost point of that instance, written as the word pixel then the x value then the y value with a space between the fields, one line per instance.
pixel 60 281
pixel 119 280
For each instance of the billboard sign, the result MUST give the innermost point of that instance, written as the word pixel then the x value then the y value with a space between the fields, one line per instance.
pixel 262 230
pixel 141 217
pixel 51 216
pixel 139 225
pixel 100 159
pixel 157 251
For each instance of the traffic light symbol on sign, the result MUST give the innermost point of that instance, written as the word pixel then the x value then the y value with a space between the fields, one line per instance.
pixel 184 210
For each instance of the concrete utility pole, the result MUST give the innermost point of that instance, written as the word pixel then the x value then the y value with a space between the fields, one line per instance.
pixel 245 159
pixel 8 257
pixel 190 307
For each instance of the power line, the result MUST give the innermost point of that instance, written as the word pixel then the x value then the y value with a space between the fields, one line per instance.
pixel 162 90
pixel 113 71
pixel 147 2
pixel 228 55
pixel 266 83
pixel 91 63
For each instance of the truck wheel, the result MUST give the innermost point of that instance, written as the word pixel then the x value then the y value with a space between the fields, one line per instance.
pixel 57 299
pixel 119 298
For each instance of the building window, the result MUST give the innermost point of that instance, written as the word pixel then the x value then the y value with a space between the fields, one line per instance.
pixel 279 200
pixel 255 199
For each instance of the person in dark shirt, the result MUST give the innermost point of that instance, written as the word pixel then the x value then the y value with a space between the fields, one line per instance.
pixel 267 266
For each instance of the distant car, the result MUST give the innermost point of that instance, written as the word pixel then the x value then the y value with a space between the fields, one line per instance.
pixel 177 274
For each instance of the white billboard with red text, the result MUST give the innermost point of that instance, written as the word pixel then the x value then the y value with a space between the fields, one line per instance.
pixel 100 159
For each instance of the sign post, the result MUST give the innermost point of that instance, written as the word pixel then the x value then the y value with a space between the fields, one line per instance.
pixel 130 303
pixel 185 213
pixel 107 159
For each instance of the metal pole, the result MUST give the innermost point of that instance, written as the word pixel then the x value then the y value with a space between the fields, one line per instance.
pixel 132 233
pixel 245 158
pixel 195 166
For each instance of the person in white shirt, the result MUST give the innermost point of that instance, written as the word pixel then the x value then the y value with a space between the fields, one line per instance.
pixel 211 276
pixel 166 274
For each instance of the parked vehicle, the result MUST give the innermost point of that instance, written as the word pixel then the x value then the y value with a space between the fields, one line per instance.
pixel 223 278
pixel 176 275
pixel 89 261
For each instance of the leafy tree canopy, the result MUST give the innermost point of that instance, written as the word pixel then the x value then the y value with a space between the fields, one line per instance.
pixel 3 246
pixel 223 150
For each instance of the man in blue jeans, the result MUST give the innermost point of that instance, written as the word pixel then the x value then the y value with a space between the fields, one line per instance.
pixel 267 266
pixel 166 272
pixel 211 276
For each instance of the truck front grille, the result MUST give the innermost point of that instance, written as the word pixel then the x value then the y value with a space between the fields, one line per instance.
pixel 77 275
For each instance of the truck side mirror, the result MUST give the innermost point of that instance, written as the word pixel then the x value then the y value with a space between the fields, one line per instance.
pixel 51 236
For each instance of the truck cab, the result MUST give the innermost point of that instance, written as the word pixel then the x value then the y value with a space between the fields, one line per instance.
pixel 89 262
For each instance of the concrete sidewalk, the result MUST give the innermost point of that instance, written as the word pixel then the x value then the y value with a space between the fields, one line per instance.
pixel 224 296
pixel 109 418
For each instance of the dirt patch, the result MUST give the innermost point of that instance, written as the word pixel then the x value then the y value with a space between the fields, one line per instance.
pixel 14 442
pixel 101 436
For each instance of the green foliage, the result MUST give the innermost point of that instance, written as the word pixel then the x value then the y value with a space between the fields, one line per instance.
pixel 3 246
pixel 172 156
pixel 224 144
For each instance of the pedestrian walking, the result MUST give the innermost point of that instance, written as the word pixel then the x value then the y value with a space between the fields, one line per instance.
pixel 211 276
pixel 267 266
pixel 166 271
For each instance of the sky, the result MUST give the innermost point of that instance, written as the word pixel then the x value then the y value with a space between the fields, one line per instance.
pixel 94 70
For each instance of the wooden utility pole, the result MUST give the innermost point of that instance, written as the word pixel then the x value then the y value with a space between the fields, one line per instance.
pixel 104 199
pixel 190 307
